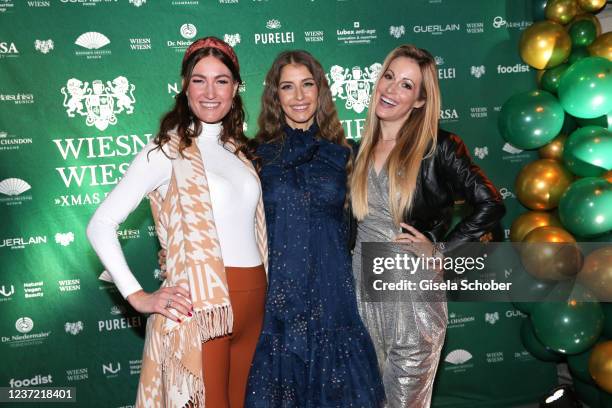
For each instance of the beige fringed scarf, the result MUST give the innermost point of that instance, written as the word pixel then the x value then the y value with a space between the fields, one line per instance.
pixel 171 374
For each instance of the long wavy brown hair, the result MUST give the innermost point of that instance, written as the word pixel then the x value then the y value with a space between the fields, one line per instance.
pixel 272 118
pixel 187 126
pixel 416 140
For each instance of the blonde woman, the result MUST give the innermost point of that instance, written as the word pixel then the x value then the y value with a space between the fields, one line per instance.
pixel 406 176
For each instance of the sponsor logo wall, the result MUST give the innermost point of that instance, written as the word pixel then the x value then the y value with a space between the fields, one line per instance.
pixel 100 73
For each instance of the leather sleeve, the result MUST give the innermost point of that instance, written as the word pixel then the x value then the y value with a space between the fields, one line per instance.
pixel 468 181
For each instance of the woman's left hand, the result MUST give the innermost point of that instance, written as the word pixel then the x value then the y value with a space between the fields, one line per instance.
pixel 414 236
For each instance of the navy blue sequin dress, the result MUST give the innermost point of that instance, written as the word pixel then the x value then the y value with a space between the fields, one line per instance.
pixel 314 351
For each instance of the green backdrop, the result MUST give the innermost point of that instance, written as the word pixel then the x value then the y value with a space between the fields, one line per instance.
pixel 83 84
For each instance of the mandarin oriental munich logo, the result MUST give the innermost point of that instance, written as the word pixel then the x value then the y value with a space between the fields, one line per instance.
pixel 92 40
pixel 354 86
pixel 100 103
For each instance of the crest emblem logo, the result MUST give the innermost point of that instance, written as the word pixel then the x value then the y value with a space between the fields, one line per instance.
pixel 477 72
pixel 103 102
pixel 492 318
pixel 481 152
pixel 188 31
pixel 73 328
pixel 64 238
pixel 138 3
pixel 397 32
pixel 232 39
pixel 354 86
pixel 43 46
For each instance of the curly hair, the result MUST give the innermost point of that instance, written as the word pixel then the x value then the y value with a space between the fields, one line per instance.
pixel 183 122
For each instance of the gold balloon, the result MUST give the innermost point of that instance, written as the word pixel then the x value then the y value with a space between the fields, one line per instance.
pixel 540 184
pixel 545 44
pixel 587 16
pixel 561 11
pixel 596 273
pixel 554 149
pixel 608 176
pixel 550 253
pixel 600 365
pixel 602 46
pixel 529 221
pixel 591 5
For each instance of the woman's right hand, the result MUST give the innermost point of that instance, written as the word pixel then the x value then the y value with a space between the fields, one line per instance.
pixel 157 302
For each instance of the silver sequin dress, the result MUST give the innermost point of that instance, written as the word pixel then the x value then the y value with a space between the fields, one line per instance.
pixel 408 334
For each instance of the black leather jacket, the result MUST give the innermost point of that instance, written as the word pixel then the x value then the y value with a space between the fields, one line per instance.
pixel 447 175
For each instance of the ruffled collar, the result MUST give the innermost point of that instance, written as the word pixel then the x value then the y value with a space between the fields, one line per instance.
pixel 299 146
pixel 302 146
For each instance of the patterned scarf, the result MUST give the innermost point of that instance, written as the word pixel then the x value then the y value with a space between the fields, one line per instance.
pixel 171 374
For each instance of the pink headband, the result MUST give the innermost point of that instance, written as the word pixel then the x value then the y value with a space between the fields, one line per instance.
pixel 212 42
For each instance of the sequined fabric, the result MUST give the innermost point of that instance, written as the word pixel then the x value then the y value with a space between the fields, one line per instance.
pixel 314 350
pixel 408 332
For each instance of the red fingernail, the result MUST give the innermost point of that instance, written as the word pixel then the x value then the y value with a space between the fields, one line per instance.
pixel 179 320
pixel 189 314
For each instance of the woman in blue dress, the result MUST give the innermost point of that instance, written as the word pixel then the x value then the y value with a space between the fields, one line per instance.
pixel 314 350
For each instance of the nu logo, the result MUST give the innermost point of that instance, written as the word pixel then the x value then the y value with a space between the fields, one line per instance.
pixel 4 293
pixel 109 368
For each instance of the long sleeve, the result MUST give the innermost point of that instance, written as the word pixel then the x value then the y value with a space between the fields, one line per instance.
pixel 146 173
pixel 469 181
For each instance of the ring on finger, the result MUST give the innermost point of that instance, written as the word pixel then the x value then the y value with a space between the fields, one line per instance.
pixel 168 304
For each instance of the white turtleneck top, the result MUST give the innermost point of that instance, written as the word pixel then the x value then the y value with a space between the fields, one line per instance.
pixel 234 193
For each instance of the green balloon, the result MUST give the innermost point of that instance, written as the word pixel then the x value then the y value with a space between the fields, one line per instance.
pixel 585 89
pixel 604 121
pixel 568 327
pixel 550 79
pixel 589 394
pixel 579 366
pixel 526 291
pixel 585 208
pixel 582 33
pixel 588 151
pixel 529 120
pixel 577 54
pixel 535 346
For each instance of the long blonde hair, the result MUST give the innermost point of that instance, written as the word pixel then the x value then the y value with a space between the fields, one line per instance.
pixel 416 140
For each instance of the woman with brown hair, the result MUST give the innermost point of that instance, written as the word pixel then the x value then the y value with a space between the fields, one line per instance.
pixel 406 176
pixel 314 350
pixel 206 200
